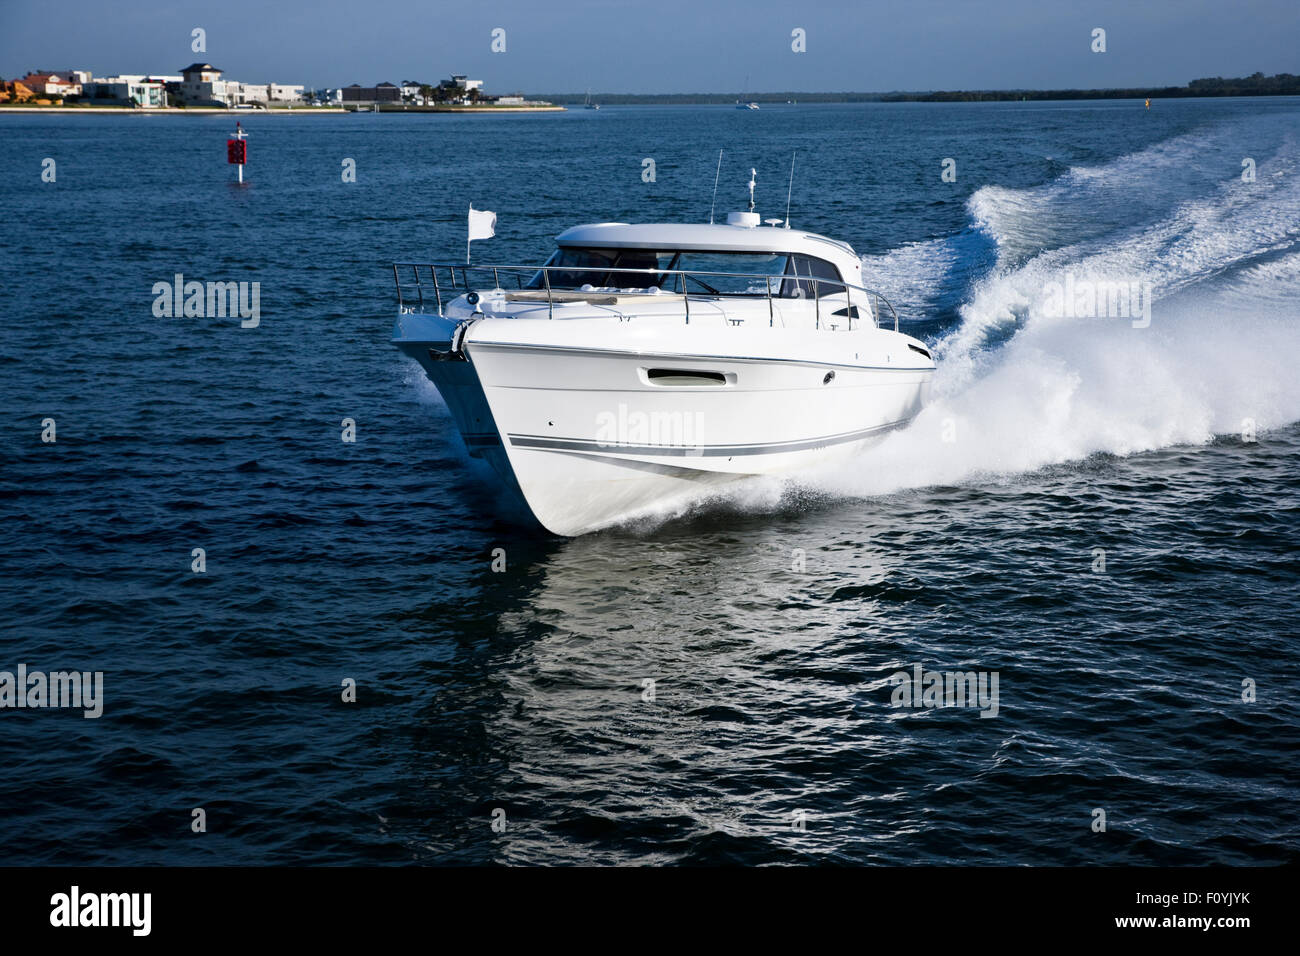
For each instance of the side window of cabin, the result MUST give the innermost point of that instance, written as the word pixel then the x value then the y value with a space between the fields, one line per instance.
pixel 808 268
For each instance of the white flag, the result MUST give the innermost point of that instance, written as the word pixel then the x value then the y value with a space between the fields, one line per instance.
pixel 482 224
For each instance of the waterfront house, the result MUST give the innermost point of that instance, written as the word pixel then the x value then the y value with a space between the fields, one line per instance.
pixel 201 85
pixel 357 95
pixel 284 92
pixel 141 90
pixel 269 93
pixel 463 82
pixel 49 83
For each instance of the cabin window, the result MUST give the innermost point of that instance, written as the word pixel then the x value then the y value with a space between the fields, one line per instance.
pixel 594 267
pixel 747 272
pixel 744 273
pixel 811 268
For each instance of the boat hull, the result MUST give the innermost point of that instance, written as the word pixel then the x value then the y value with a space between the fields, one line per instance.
pixel 593 436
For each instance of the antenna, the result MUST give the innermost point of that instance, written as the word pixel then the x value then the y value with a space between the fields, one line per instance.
pixel 715 187
pixel 789 191
pixel 752 182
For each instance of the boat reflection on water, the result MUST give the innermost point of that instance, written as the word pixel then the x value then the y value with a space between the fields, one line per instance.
pixel 745 681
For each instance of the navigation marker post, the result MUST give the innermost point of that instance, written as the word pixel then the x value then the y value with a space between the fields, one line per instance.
pixel 237 150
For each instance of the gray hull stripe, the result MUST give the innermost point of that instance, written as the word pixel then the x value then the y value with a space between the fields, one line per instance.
pixel 697 451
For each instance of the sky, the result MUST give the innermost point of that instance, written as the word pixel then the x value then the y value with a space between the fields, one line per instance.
pixel 667 46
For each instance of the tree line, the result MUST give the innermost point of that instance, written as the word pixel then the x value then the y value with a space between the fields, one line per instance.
pixel 1257 84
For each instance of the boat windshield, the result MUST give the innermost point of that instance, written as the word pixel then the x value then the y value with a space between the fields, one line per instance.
pixel 745 273
pixel 573 268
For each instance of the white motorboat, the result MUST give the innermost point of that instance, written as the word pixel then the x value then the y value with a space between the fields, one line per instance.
pixel 645 365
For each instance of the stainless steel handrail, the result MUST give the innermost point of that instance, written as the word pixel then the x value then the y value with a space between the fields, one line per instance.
pixel 876 298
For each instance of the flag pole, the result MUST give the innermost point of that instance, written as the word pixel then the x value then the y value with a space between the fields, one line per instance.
pixel 468 220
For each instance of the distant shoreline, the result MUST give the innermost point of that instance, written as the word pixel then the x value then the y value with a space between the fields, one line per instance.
pixel 301 111
pixel 403 108
pixel 989 96
pixel 170 110
pixel 1281 84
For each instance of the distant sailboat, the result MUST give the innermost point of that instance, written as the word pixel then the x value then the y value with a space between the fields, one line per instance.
pixel 588 104
pixel 744 103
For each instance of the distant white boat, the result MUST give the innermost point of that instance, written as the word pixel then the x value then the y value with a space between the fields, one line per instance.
pixel 744 103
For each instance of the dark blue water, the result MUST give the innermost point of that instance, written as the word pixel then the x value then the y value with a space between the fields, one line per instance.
pixel 771 620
